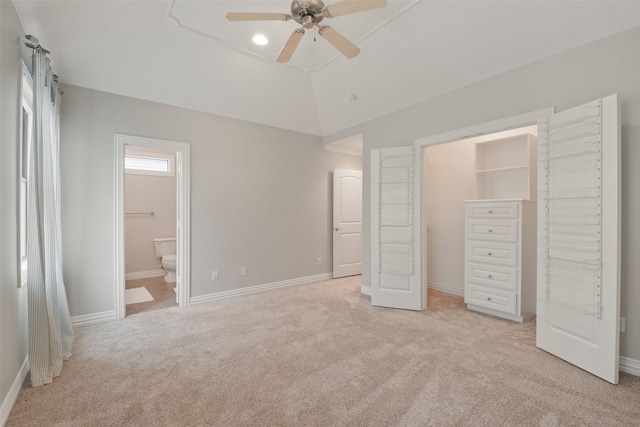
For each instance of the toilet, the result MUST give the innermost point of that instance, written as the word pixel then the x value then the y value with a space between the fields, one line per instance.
pixel 166 249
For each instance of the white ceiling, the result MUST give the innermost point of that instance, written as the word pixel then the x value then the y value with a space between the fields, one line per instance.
pixel 184 53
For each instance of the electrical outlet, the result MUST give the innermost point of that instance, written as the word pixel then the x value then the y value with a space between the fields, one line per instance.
pixel 214 275
pixel 243 271
pixel 319 261
pixel 622 324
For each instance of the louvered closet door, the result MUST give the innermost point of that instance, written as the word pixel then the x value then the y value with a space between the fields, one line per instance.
pixel 579 236
pixel 395 282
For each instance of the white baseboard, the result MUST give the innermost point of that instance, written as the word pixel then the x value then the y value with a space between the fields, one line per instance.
pixel 14 391
pixel 259 288
pixel 89 319
pixel 365 290
pixel 144 274
pixel 446 289
pixel 630 366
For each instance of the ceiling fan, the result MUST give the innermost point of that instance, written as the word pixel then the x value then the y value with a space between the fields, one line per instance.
pixel 309 14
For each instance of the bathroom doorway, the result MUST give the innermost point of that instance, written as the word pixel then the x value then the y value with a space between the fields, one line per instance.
pixel 150 207
pixel 152 202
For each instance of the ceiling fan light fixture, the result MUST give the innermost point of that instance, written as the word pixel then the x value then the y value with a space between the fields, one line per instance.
pixel 309 14
pixel 260 39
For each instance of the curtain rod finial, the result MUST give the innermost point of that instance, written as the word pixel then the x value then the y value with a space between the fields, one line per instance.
pixel 32 39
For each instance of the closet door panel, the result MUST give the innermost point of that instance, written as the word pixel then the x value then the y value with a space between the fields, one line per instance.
pixel 579 236
pixel 395 283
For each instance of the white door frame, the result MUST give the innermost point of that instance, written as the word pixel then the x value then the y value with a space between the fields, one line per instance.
pixel 419 205
pixel 183 235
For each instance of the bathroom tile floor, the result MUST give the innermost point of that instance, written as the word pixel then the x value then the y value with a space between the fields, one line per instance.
pixel 161 291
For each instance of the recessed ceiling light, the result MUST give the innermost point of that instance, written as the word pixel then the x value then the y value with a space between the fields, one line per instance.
pixel 260 40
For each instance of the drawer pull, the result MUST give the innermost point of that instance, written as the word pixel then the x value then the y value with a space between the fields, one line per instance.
pixel 488 298
pixel 490 276
pixel 490 211
pixel 489 253
pixel 490 231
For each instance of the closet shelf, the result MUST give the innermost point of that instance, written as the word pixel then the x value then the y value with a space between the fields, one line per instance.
pixel 505 168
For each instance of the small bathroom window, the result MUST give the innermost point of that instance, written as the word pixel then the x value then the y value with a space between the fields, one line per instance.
pixel 144 163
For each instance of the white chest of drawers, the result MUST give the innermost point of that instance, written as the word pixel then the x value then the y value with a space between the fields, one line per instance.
pixel 500 258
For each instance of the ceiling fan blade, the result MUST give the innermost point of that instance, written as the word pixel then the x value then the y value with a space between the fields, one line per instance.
pixel 353 6
pixel 242 16
pixel 338 41
pixel 290 46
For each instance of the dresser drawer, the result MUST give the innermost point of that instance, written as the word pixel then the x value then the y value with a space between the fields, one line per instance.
pixel 493 210
pixel 505 230
pixel 492 275
pixel 492 299
pixel 492 252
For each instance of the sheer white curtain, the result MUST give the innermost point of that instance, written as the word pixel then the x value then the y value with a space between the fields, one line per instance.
pixel 50 332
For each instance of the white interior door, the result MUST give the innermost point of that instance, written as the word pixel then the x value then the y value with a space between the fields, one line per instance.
pixel 395 281
pixel 579 236
pixel 347 223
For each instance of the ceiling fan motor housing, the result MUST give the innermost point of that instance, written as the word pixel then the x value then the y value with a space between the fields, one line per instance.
pixel 307 13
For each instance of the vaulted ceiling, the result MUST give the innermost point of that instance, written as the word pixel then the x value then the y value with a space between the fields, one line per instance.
pixel 185 53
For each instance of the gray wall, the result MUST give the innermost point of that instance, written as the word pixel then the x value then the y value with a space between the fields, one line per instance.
pixel 13 301
pixel 260 196
pixel 144 193
pixel 611 65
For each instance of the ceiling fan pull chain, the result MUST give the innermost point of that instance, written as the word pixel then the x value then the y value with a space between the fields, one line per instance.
pixel 315 31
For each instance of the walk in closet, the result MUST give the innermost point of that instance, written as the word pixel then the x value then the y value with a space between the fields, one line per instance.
pixel 500 229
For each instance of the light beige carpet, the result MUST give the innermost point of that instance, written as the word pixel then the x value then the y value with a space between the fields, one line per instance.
pixel 320 355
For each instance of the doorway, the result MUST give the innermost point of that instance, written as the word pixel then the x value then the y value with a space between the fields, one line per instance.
pixel 166 158
pixel 449 179
pixel 347 223
pixel 150 204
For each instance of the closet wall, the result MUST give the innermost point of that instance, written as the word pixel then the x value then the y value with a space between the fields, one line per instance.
pixel 450 181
